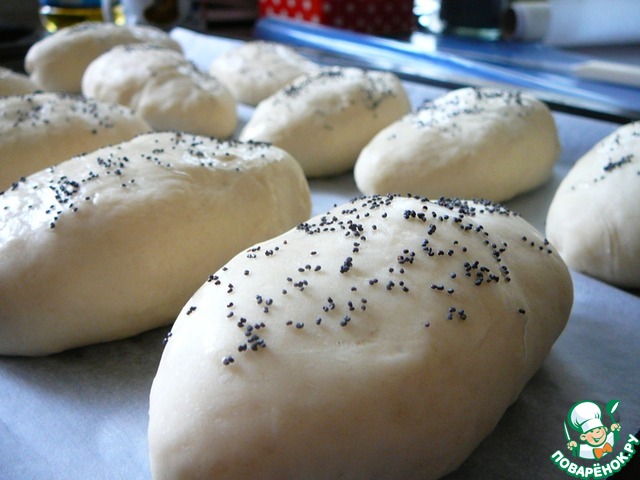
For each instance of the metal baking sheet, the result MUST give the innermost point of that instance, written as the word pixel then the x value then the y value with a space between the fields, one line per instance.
pixel 84 413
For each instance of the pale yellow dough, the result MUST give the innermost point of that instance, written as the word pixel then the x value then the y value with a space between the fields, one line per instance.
pixel 593 218
pixel 14 83
pixel 42 129
pixel 356 346
pixel 325 118
pixel 57 62
pixel 470 143
pixel 112 243
pixel 164 88
pixel 256 70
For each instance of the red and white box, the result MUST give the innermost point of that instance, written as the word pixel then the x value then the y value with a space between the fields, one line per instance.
pixel 382 17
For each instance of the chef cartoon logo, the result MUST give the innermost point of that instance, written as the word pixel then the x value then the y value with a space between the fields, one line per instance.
pixel 596 440
pixel 592 436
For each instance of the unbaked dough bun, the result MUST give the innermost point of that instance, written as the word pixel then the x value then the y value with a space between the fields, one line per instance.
pixel 57 62
pixel 163 87
pixel 14 83
pixel 470 143
pixel 113 243
pixel 383 339
pixel 325 118
pixel 256 70
pixel 42 129
pixel 593 218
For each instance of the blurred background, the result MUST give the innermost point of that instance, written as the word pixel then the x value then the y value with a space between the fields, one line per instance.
pixel 542 45
pixel 560 22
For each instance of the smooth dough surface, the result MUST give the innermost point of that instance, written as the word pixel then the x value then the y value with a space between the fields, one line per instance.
pixel 42 129
pixel 470 143
pixel 14 83
pixel 113 243
pixel 57 62
pixel 256 70
pixel 384 339
pixel 163 87
pixel 325 118
pixel 593 218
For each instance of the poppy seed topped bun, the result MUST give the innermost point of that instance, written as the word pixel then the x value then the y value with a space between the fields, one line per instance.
pixel 593 218
pixel 164 88
pixel 470 143
pixel 57 62
pixel 41 129
pixel 112 243
pixel 326 117
pixel 353 344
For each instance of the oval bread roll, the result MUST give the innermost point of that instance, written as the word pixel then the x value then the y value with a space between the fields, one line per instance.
pixel 57 62
pixel 163 87
pixel 14 83
pixel 113 243
pixel 593 218
pixel 384 339
pixel 325 118
pixel 42 129
pixel 256 70
pixel 470 143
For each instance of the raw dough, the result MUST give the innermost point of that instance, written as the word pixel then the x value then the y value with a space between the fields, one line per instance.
pixel 42 129
pixel 471 143
pixel 256 70
pixel 57 62
pixel 593 218
pixel 113 243
pixel 384 339
pixel 14 83
pixel 325 118
pixel 163 87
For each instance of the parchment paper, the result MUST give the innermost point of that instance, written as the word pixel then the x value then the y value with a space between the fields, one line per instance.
pixel 82 414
